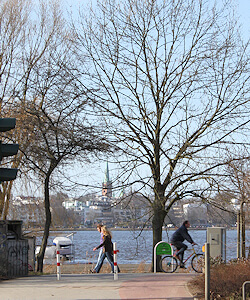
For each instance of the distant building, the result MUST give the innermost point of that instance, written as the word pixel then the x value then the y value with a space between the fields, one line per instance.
pixel 196 213
pixel 25 200
pixel 73 204
pixel 28 209
pixel 109 210
pixel 107 184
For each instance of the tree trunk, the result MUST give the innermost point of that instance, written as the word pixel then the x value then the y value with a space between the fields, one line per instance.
pixel 7 201
pixel 2 198
pixel 157 223
pixel 41 253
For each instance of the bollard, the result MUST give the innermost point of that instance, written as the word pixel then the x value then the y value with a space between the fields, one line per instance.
pixel 58 265
pixel 207 271
pixel 115 262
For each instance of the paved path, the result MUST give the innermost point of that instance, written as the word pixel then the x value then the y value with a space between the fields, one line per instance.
pixel 98 286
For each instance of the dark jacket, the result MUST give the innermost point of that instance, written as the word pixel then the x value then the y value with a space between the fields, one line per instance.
pixel 181 235
pixel 106 244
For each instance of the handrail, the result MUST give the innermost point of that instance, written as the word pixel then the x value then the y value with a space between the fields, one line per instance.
pixel 244 289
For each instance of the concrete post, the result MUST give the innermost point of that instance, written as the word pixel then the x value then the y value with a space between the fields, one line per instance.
pixel 243 235
pixel 238 235
pixel 207 271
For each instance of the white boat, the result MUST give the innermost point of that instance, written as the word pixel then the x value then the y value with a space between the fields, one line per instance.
pixel 50 252
pixel 63 244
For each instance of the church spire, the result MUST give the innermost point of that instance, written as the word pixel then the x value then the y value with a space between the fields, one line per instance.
pixel 106 178
pixel 107 184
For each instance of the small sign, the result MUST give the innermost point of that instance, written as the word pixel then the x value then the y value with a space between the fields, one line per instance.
pixel 163 249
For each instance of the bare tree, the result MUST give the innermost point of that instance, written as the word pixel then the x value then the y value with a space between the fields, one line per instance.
pixel 13 24
pixel 26 40
pixel 53 124
pixel 171 79
pixel 61 128
pixel 61 136
pixel 239 182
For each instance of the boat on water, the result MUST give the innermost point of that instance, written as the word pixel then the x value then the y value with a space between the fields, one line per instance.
pixel 65 246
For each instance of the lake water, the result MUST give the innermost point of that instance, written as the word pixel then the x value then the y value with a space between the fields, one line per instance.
pixel 135 247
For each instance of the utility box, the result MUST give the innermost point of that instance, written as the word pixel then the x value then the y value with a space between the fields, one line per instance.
pixel 13 249
pixel 216 237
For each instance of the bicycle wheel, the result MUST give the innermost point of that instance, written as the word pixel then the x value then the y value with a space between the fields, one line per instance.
pixel 168 264
pixel 198 262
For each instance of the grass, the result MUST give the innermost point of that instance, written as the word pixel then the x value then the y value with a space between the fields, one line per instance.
pixel 226 280
pixel 67 268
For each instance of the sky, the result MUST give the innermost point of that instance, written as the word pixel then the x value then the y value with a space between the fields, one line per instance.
pixel 244 12
pixel 243 7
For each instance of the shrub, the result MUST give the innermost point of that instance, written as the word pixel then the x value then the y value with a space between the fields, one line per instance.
pixel 226 280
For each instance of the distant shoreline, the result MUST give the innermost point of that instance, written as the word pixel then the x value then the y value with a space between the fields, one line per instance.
pixel 36 230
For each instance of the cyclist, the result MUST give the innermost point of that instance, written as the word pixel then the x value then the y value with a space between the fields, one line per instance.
pixel 177 239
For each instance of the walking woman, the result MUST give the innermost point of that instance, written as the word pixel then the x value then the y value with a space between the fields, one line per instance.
pixel 99 228
pixel 107 247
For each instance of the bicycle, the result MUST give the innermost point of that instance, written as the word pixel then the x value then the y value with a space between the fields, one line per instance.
pixel 169 263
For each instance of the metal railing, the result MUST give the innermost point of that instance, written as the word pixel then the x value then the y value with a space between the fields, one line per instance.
pixel 244 296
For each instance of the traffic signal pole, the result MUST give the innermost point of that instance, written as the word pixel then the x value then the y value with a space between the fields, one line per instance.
pixel 6 150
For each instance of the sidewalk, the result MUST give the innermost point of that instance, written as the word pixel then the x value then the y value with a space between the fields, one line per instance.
pixel 98 286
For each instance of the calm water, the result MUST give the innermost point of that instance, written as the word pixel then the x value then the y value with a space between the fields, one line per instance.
pixel 135 249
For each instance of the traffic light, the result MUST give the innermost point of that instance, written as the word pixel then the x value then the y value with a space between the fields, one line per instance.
pixel 7 174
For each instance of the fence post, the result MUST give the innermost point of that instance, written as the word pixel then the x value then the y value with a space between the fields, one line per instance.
pixel 115 262
pixel 58 264
pixel 207 271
